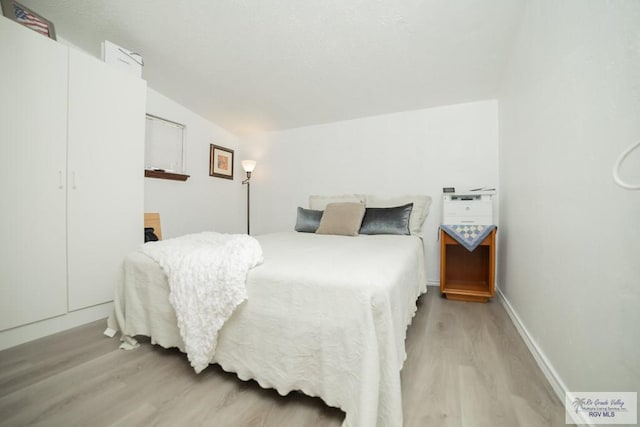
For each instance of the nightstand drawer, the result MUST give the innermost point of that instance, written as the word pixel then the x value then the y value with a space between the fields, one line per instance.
pixel 448 240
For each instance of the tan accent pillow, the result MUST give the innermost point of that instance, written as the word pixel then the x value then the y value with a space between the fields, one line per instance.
pixel 318 203
pixel 343 219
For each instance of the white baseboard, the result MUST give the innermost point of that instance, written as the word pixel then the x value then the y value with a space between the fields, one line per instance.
pixel 433 283
pixel 32 331
pixel 558 386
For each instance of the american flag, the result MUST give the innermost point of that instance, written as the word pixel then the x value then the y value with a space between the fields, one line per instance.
pixel 29 20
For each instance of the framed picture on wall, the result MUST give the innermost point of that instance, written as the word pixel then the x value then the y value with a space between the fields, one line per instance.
pixel 25 16
pixel 220 162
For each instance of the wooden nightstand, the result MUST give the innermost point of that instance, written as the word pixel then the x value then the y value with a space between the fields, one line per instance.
pixel 464 275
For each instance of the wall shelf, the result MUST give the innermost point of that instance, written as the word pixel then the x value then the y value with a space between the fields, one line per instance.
pixel 165 175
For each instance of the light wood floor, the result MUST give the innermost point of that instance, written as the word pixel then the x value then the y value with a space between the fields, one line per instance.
pixel 466 366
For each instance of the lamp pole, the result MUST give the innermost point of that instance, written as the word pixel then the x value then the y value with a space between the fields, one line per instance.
pixel 248 203
pixel 248 166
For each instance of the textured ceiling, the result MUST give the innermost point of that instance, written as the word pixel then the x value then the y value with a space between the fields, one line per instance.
pixel 275 64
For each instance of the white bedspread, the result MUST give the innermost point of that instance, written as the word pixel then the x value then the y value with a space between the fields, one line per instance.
pixel 206 274
pixel 326 315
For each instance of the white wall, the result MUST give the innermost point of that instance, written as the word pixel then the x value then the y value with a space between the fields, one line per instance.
pixel 413 152
pixel 569 258
pixel 202 202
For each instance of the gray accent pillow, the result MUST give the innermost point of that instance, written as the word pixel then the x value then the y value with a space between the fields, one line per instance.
pixel 342 219
pixel 387 220
pixel 308 220
pixel 421 205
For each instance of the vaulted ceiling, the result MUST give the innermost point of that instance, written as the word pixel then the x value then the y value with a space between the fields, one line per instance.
pixel 255 65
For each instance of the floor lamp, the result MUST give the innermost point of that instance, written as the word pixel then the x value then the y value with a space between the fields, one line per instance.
pixel 248 166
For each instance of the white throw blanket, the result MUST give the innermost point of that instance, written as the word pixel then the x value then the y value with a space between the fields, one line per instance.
pixel 206 274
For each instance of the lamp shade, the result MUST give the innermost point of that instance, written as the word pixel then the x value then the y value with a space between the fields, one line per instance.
pixel 248 165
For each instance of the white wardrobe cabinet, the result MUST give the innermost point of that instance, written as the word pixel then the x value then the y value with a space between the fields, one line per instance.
pixel 105 176
pixel 33 141
pixel 71 171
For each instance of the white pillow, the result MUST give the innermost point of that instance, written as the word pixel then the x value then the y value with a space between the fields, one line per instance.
pixel 318 203
pixel 421 205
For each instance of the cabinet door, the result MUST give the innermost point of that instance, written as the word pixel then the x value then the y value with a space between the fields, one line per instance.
pixel 105 176
pixel 33 122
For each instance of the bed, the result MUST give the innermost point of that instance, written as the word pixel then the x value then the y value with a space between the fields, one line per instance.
pixel 326 315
